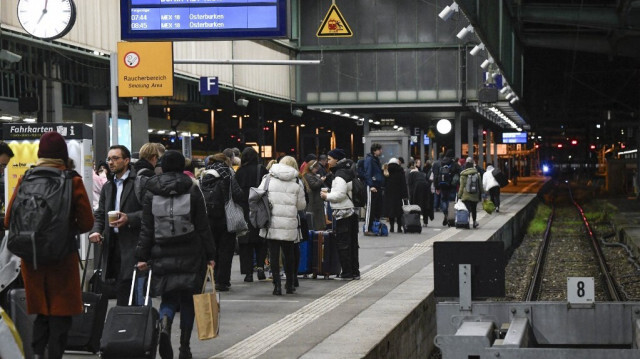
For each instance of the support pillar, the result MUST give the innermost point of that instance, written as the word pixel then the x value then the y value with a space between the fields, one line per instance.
pixel 139 113
pixel 457 128
pixel 470 151
pixel 421 141
pixel 51 95
pixel 480 147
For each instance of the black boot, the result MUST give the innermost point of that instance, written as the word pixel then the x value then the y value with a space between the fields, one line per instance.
pixel 185 350
pixel 248 277
pixel 164 346
pixel 261 275
pixel 277 289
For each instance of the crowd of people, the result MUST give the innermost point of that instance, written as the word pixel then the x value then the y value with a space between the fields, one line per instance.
pixel 158 211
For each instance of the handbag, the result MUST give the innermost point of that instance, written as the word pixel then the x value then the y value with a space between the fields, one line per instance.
pixel 234 215
pixel 488 206
pixel 207 309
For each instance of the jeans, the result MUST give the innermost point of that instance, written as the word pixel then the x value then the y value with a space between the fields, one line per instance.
pixel 446 196
pixel 173 300
pixel 141 292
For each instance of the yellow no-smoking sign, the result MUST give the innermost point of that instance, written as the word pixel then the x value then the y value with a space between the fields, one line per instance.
pixel 145 69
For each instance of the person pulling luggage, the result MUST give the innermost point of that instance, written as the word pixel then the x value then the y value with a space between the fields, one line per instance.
pixel 176 241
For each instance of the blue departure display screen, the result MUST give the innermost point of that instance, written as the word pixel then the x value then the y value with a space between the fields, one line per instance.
pixel 203 19
pixel 514 137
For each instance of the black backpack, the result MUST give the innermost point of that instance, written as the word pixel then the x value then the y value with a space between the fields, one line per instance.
pixel 445 176
pixel 472 183
pixel 142 177
pixel 358 193
pixel 39 224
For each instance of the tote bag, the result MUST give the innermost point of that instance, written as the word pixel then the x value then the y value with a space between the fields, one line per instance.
pixel 234 215
pixel 207 310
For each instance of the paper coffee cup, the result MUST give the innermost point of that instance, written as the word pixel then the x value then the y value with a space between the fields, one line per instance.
pixel 113 216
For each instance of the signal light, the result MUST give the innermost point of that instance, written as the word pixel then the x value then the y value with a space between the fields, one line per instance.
pixel 574 142
pixel 484 132
pixel 593 147
pixel 622 145
pixel 559 145
pixel 537 145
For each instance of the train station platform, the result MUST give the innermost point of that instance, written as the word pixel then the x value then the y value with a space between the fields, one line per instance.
pixel 389 313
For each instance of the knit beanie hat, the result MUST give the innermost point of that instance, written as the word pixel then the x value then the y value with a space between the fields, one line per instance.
pixel 337 153
pixel 172 161
pixel 52 145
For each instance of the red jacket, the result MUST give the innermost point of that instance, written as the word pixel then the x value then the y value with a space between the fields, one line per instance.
pixel 54 289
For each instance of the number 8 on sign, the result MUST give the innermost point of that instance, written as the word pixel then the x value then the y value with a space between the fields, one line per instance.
pixel 580 290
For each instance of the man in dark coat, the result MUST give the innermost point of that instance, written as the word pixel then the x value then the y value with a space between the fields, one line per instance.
pixel 250 175
pixel 178 260
pixel 395 191
pixel 446 191
pixel 374 179
pixel 120 237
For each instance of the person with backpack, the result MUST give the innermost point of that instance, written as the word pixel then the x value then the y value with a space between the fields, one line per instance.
pixel 286 198
pixel 145 169
pixel 249 175
pixel 120 237
pixel 218 180
pixel 177 243
pixel 470 188
pixel 491 185
pixel 344 213
pixel 53 290
pixel 374 179
pixel 446 174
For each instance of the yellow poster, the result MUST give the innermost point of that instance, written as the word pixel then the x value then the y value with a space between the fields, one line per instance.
pixel 145 69
pixel 25 156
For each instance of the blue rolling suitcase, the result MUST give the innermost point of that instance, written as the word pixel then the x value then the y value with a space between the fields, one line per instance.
pixel 304 267
pixel 462 219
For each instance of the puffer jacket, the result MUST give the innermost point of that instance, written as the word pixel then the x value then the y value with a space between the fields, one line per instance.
pixel 342 184
pixel 462 192
pixel 178 263
pixel 286 197
pixel 488 181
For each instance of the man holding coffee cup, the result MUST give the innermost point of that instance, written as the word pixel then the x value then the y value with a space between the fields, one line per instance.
pixel 117 222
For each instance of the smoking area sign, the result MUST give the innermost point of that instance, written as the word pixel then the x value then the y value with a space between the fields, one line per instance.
pixel 334 24
pixel 145 69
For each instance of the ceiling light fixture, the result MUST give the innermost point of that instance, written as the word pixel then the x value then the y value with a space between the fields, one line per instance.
pixel 486 63
pixel 464 32
pixel 513 100
pixel 505 89
pixel 476 49
pixel 448 11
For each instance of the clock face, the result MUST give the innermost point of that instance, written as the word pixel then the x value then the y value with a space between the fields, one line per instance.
pixel 47 19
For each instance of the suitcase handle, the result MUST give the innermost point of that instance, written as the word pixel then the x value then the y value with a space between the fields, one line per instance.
pixel 133 285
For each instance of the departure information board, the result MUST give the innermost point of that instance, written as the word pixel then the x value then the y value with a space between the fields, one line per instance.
pixel 203 19
pixel 514 137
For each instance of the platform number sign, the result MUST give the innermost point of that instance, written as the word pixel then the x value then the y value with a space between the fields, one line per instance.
pixel 580 290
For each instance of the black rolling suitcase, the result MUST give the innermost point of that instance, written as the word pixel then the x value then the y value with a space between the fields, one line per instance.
pixel 411 218
pixel 86 328
pixel 325 260
pixel 132 331
pixel 22 320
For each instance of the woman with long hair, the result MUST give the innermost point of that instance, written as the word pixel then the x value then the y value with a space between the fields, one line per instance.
pixel 313 184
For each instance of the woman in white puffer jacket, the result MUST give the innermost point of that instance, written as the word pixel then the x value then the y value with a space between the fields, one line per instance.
pixel 489 184
pixel 286 196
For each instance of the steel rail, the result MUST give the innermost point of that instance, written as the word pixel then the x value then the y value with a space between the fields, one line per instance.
pixel 534 285
pixel 612 289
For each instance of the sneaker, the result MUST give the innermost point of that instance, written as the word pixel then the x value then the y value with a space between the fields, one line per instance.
pixel 356 277
pixel 344 278
pixel 475 225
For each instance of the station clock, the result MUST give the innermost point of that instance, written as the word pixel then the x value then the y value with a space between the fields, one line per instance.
pixel 47 19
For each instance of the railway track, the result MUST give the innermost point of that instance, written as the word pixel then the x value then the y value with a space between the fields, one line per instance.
pixel 569 248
